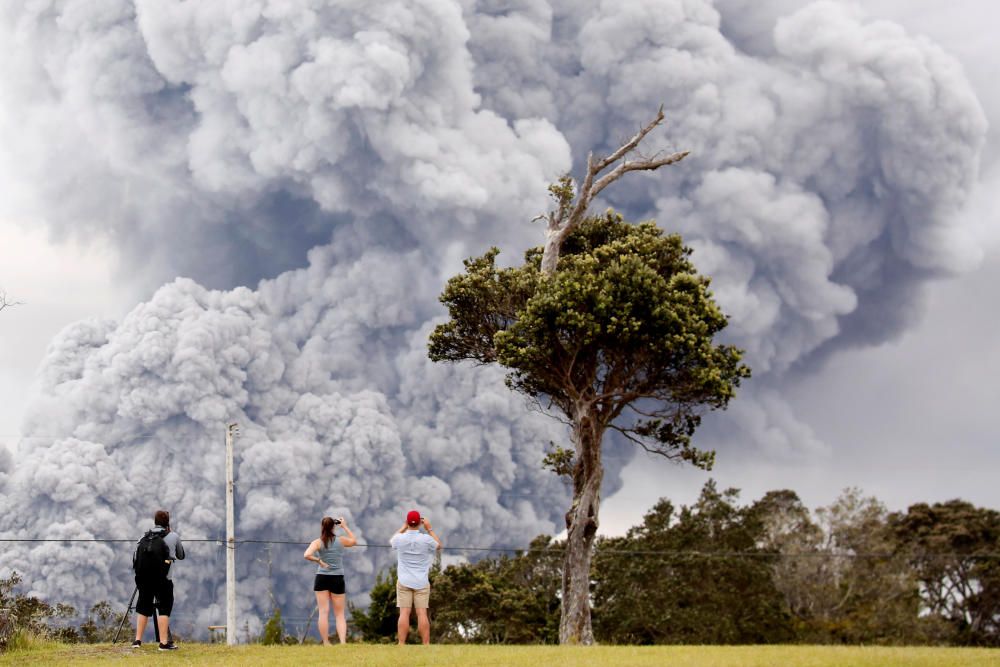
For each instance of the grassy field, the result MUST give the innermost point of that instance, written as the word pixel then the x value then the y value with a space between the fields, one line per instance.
pixel 528 656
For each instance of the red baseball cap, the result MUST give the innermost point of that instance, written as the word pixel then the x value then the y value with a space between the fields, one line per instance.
pixel 413 518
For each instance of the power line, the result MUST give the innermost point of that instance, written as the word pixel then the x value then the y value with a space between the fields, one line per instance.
pixel 556 549
pixel 124 438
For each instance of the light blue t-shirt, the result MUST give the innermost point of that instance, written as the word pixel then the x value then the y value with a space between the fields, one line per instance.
pixel 414 557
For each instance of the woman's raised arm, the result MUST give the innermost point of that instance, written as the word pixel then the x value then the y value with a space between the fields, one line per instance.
pixel 347 540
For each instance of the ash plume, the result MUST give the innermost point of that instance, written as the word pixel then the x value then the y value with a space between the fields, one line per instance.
pixel 317 170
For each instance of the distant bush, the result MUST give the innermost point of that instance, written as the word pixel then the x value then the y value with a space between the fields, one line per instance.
pixel 25 618
pixel 274 630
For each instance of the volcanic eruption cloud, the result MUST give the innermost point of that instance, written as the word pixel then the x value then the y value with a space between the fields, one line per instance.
pixel 314 171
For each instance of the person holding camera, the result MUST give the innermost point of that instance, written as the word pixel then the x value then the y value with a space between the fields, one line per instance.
pixel 154 554
pixel 414 557
pixel 328 552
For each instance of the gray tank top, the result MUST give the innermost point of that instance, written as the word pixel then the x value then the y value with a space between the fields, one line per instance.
pixel 333 556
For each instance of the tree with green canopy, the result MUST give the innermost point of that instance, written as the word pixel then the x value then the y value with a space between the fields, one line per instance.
pixel 511 599
pixel 953 548
pixel 843 576
pixel 609 326
pixel 693 576
pixel 378 622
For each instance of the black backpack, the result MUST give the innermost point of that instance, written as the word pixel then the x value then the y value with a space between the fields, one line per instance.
pixel 151 559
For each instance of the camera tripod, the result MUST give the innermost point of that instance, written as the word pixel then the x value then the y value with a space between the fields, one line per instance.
pixel 154 617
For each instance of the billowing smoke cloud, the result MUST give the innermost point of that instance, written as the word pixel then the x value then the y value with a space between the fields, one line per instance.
pixel 832 156
pixel 350 154
pixel 223 142
pixel 146 400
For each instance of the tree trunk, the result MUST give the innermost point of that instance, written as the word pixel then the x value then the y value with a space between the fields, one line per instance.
pixel 581 526
pixel 550 255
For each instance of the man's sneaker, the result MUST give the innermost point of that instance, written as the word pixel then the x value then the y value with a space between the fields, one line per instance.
pixel 169 646
pixel 137 644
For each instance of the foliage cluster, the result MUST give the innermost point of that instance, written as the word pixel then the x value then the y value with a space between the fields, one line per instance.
pixel 378 623
pixel 507 600
pixel 677 578
pixel 954 551
pixel 722 572
pixel 274 630
pixel 625 327
pixel 715 572
pixel 27 616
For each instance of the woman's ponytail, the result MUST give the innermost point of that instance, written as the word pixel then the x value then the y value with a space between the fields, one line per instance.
pixel 327 531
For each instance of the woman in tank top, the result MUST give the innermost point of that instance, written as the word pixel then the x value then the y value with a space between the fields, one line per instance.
pixel 328 553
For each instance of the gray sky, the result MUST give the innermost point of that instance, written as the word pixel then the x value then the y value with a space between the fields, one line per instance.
pixel 910 420
pixel 906 422
pixel 58 284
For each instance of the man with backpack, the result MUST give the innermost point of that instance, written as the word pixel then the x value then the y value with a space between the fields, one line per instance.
pixel 154 553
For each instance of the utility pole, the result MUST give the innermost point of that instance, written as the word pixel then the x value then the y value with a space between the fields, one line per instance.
pixel 232 430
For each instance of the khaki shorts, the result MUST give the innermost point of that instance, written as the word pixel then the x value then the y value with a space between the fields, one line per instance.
pixel 406 597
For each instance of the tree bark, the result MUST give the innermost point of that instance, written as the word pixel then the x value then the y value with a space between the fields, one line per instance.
pixel 553 242
pixel 581 526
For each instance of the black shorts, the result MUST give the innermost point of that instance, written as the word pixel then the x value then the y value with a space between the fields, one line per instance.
pixel 329 582
pixel 154 592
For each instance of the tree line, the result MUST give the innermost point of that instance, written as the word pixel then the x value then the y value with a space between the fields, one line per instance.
pixel 722 572
pixel 715 572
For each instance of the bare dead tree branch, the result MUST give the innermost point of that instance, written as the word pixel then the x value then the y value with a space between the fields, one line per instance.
pixel 573 206
pixel 4 303
pixel 670 456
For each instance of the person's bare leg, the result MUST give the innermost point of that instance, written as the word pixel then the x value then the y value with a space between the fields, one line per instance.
pixel 140 626
pixel 323 619
pixel 164 623
pixel 403 626
pixel 338 616
pixel 424 626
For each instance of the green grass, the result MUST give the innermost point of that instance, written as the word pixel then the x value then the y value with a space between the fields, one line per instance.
pixel 528 656
pixel 22 642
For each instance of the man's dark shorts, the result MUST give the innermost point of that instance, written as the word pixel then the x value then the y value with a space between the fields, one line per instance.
pixel 162 590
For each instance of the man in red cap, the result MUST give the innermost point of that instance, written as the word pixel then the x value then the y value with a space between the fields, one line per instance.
pixel 414 557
